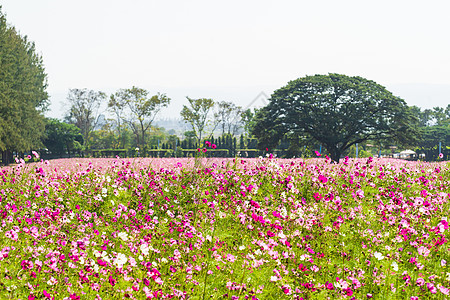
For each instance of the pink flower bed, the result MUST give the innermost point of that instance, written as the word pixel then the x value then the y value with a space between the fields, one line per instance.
pixel 224 228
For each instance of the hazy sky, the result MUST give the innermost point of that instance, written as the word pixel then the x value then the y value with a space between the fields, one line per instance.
pixel 233 50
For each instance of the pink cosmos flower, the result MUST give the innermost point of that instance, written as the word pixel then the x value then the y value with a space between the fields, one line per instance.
pixel 420 281
pixel 148 292
pixel 329 285
pixel 322 179
pixel 112 281
pixel 287 290
pixel 423 251
pixel 12 235
pixel 444 290
pixel 27 264
pixel 315 268
pixel 431 288
pixel 47 295
pixel 348 291
pixel 230 257
pixel 317 153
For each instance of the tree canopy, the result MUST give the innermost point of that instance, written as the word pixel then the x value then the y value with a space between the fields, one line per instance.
pixel 335 110
pixel 61 137
pixel 84 110
pixel 23 95
pixel 137 109
pixel 197 115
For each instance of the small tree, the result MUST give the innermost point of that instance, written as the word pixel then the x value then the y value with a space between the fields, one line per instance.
pixel 137 109
pixel 197 115
pixel 61 137
pixel 84 111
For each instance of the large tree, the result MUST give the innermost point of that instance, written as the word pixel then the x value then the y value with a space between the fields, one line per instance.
pixel 23 96
pixel 337 111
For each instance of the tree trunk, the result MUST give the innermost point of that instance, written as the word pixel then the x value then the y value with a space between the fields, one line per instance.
pixel 335 155
pixel 6 157
pixel 143 134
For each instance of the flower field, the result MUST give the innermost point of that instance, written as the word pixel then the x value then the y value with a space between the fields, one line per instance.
pixel 225 229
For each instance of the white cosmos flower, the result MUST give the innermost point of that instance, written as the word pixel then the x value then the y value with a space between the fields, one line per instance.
pixel 144 248
pixel 394 266
pixel 281 235
pixel 123 236
pixel 120 260
pixel 378 255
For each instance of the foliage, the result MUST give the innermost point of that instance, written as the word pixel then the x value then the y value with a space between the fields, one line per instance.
pixel 84 111
pixel 23 95
pixel 137 109
pixel 230 117
pixel 62 137
pixel 429 141
pixel 335 110
pixel 247 118
pixel 197 115
pixel 434 127
pixel 430 117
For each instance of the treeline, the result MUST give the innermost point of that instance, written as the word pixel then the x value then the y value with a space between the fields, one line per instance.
pixel 434 138
pixel 87 130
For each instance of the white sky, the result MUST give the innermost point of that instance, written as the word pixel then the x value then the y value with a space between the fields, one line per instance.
pixel 233 50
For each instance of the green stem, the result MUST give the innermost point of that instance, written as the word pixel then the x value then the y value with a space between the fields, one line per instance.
pixel 207 265
pixel 242 280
